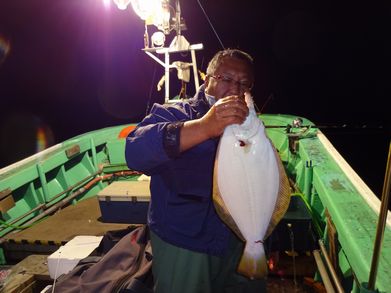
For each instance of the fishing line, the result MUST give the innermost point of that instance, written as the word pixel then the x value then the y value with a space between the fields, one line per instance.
pixel 202 62
pixel 211 25
pixel 150 91
pixel 269 98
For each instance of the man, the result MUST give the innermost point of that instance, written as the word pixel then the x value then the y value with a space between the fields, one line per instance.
pixel 194 251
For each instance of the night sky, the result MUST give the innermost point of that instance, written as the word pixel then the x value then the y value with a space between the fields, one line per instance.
pixel 72 66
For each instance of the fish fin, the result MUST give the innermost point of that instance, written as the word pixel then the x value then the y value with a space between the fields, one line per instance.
pixel 283 198
pixel 253 261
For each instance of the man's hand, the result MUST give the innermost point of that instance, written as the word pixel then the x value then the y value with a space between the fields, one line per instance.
pixel 226 111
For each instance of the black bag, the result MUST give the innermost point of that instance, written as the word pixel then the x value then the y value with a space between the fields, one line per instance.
pixel 126 268
pixel 111 238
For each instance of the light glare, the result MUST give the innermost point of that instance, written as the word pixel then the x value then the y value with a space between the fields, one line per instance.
pixel 106 3
pixel 146 9
pixel 122 4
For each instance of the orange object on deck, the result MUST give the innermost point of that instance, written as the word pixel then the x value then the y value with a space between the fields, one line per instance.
pixel 125 131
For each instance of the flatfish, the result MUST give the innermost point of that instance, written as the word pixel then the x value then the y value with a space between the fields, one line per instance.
pixel 251 190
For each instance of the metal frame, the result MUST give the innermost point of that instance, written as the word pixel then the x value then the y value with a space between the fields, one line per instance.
pixel 166 51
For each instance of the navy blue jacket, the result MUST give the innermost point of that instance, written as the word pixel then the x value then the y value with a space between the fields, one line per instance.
pixel 181 210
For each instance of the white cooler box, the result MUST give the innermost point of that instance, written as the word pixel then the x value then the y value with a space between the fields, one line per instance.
pixel 125 202
pixel 64 259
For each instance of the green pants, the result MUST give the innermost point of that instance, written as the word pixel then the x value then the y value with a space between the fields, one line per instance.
pixel 178 270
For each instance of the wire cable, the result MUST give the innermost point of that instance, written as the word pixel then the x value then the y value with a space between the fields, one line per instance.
pixel 211 25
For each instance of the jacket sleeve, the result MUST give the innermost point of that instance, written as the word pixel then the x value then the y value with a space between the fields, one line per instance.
pixel 155 141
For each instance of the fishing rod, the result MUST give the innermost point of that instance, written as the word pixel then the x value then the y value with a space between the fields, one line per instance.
pixel 343 126
pixel 298 123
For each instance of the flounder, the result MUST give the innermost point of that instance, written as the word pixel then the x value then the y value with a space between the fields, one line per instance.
pixel 251 190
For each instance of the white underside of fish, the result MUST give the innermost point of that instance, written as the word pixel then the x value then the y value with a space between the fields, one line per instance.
pixel 248 184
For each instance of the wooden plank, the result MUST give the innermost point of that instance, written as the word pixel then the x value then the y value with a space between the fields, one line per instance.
pixel 23 276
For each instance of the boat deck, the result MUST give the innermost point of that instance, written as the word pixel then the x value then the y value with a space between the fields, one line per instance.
pixel 84 218
pixel 47 235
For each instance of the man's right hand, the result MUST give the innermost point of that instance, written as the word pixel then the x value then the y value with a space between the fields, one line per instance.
pixel 226 111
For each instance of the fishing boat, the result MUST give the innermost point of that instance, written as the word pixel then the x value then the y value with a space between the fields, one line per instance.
pixel 335 236
pixel 332 217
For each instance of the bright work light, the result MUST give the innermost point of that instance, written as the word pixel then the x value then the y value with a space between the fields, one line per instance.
pixel 165 18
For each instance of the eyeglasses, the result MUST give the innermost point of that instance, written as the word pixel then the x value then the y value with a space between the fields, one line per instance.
pixel 244 85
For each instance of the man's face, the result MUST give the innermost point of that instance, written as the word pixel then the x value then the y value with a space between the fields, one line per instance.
pixel 232 77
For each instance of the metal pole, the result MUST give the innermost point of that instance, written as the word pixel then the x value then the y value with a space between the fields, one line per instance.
pixel 167 76
pixel 333 273
pixel 195 71
pixel 323 272
pixel 381 223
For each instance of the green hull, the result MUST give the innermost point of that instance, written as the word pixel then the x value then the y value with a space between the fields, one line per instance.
pixel 343 208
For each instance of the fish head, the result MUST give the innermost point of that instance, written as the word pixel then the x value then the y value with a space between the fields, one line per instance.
pixel 251 126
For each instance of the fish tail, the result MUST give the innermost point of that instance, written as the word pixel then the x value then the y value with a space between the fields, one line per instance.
pixel 253 261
